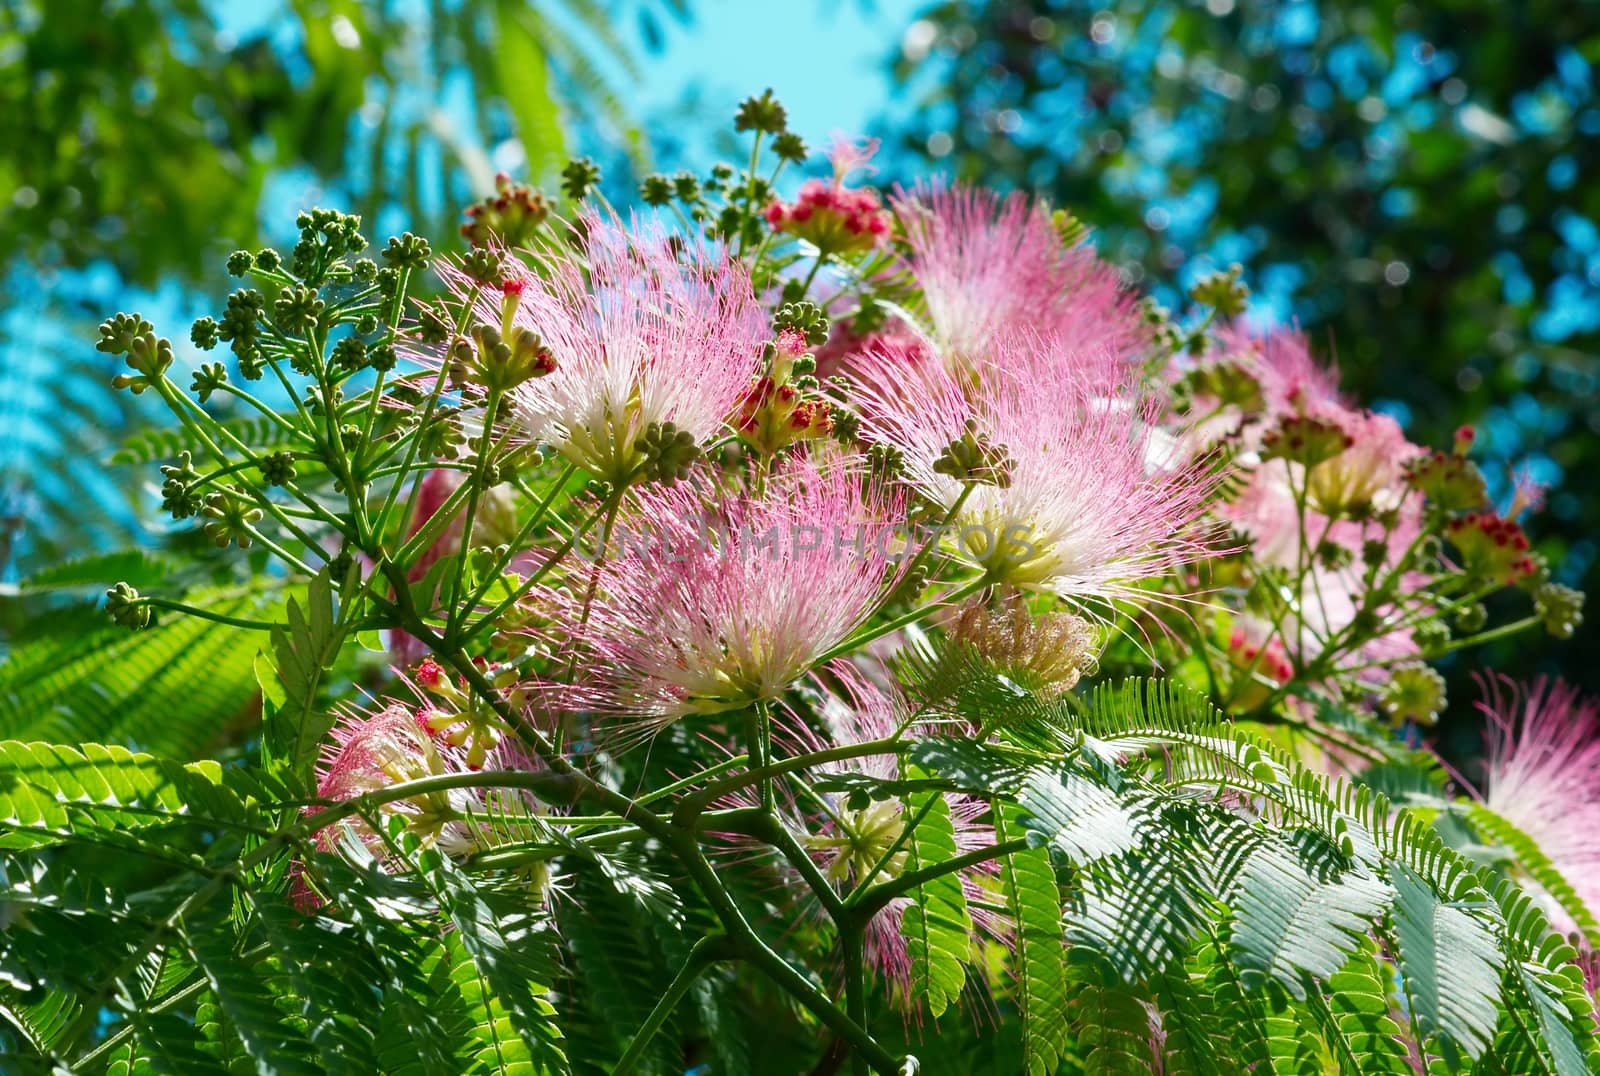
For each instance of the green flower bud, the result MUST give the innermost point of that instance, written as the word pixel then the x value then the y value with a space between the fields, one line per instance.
pixel 349 354
pixel 277 469
pixel 126 608
pixel 805 318
pixel 1414 693
pixel 208 379
pixel 789 147
pixel 1560 609
pixel 1222 291
pixel 668 452
pixel 231 519
pixel 972 458
pixel 407 251
pixel 203 334
pixel 762 113
pixel 655 190
pixel 579 177
pixel 297 309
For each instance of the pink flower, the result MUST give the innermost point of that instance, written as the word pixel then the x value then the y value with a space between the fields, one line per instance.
pixel 991 267
pixel 851 155
pixel 710 601
pixel 1367 477
pixel 847 843
pixel 368 752
pixel 642 330
pixel 1544 776
pixel 1330 593
pixel 1291 378
pixel 1094 504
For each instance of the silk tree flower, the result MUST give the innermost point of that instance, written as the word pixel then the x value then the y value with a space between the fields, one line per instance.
pixel 991 267
pixel 370 752
pixel 1093 503
pixel 1291 378
pixel 1330 590
pixel 643 331
pixel 847 843
pixel 1543 777
pixel 1369 476
pixel 714 600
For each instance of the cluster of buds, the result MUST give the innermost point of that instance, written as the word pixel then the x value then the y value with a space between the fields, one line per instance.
pixel 1223 291
pixel 126 608
pixel 148 355
pixel 1560 609
pixel 782 406
pixel 1449 481
pixel 1415 693
pixel 510 216
pixel 1491 548
pixel 492 361
pixel 1305 440
pixel 973 458
pixel 832 217
pixel 666 452
pixel 1228 381
pixel 231 519
pixel 455 717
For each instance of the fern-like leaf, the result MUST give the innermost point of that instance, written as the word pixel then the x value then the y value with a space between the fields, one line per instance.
pixel 1034 902
pixel 1450 962
pixel 937 925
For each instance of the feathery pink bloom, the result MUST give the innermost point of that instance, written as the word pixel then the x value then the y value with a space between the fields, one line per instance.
pixel 713 601
pixel 847 843
pixel 1092 507
pixel 642 330
pixel 1544 776
pixel 1329 596
pixel 1291 377
pixel 369 752
pixel 991 267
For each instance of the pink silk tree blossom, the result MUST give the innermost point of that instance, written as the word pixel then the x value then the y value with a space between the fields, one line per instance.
pixel 1093 503
pixel 1544 776
pixel 992 266
pixel 711 601
pixel 642 328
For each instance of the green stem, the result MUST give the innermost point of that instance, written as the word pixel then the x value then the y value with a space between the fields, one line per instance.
pixel 692 805
pixel 863 637
pixel 862 911
pixel 855 988
pixel 454 614
pixel 706 951
pixel 206 614
pixel 522 535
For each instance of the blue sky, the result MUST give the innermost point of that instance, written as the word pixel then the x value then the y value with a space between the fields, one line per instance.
pixel 826 60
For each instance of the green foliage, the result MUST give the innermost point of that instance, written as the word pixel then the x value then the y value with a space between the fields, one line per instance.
pixel 937 925
pixel 171 690
pixel 302 651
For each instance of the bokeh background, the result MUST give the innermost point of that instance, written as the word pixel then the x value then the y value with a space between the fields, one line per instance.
pixel 1415 185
